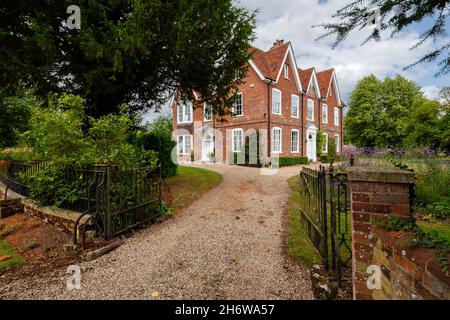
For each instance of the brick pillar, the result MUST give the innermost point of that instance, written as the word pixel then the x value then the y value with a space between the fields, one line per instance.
pixel 375 193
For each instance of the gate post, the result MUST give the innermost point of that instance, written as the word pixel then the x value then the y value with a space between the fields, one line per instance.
pixel 375 193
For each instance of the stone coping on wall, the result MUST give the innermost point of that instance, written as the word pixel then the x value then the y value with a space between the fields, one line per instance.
pixel 380 174
pixel 47 213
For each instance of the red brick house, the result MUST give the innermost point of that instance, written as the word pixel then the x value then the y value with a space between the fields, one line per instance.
pixel 286 104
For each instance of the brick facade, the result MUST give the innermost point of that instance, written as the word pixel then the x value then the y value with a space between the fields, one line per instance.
pixel 266 72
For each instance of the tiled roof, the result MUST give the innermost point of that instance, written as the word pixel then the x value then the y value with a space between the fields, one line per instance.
pixel 324 80
pixel 305 76
pixel 269 62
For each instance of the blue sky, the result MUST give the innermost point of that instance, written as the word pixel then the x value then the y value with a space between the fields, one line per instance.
pixel 292 20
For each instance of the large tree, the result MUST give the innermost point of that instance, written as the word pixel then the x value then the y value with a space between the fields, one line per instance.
pixel 133 51
pixel 395 16
pixel 379 111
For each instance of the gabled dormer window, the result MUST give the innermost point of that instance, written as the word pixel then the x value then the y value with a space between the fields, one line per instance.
pixel 286 71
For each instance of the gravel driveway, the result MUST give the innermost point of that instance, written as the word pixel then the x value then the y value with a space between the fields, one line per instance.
pixel 226 245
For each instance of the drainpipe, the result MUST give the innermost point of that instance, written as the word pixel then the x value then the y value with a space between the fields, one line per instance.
pixel 302 104
pixel 269 82
pixel 319 113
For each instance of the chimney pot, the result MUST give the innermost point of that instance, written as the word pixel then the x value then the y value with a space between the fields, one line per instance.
pixel 278 43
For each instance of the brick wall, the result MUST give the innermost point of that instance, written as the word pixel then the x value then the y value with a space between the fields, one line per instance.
pixel 405 272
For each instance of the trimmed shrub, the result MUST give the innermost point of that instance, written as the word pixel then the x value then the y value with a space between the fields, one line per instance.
pixel 286 161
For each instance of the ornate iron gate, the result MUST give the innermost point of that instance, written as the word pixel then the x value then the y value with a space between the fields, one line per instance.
pixel 324 213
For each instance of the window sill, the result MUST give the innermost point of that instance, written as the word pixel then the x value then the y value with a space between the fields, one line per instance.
pixel 189 122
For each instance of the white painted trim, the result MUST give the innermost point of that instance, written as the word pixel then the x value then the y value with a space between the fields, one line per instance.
pixel 308 119
pixel 338 142
pixel 338 94
pixel 298 106
pixel 294 67
pixel 281 101
pixel 324 105
pixel 258 72
pixel 316 83
pixel 232 139
pixel 298 141
pixel 242 105
pixel 325 143
pixel 281 140
pixel 204 109
pixel 334 116
pixel 184 144
pixel 192 113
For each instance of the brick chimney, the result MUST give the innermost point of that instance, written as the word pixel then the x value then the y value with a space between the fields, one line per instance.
pixel 277 43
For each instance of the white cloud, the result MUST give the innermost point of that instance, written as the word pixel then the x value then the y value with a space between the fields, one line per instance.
pixel 293 21
pixel 431 92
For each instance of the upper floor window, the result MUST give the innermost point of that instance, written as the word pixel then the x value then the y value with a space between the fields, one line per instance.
pixel 207 112
pixel 324 113
pixel 331 91
pixel 237 136
pixel 294 106
pixel 185 112
pixel 310 110
pixel 276 101
pixel 238 105
pixel 336 140
pixel 286 71
pixel 276 140
pixel 336 116
pixel 184 144
pixel 294 141
pixel 325 143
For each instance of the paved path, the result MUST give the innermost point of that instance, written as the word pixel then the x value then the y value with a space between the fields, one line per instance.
pixel 226 245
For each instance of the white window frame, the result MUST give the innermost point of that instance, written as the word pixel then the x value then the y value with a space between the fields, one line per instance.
pixel 241 95
pixel 336 140
pixel 308 103
pixel 286 71
pixel 182 108
pixel 273 100
pixel 293 98
pixel 324 113
pixel 292 140
pixel 233 148
pixel 184 150
pixel 325 143
pixel 205 105
pixel 336 116
pixel 273 140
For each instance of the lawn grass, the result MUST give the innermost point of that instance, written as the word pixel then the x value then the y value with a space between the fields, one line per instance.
pixel 7 250
pixel 439 228
pixel 298 245
pixel 189 184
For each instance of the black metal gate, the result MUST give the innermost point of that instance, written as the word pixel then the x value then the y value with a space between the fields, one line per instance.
pixel 324 213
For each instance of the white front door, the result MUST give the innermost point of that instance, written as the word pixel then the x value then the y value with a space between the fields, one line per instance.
pixel 207 146
pixel 311 152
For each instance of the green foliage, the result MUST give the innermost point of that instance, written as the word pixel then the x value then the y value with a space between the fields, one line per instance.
pixel 379 111
pixel 127 51
pixel 332 154
pixel 7 250
pixel 158 138
pixel 14 115
pixel 320 140
pixel 432 187
pixel 423 238
pixel 394 17
pixel 291 161
pixel 8 230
